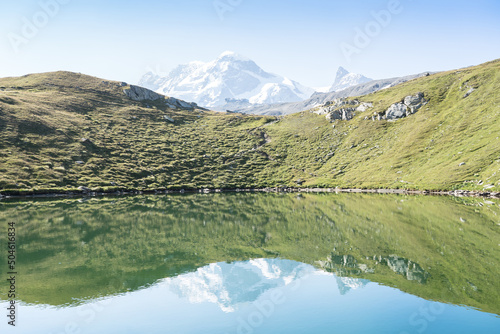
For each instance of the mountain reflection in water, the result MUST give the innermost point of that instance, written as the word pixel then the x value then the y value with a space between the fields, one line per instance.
pixel 232 250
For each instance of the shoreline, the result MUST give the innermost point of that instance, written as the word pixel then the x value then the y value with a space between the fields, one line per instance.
pixel 90 193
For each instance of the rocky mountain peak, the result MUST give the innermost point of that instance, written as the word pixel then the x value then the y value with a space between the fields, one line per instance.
pixel 344 79
pixel 341 72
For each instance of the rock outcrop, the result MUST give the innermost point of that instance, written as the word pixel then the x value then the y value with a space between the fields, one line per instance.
pixel 414 102
pixel 411 270
pixel 469 92
pixel 137 93
pixel 342 109
pixel 346 265
pixel 397 110
pixel 469 88
pixel 176 103
pixel 408 106
pixel 344 114
pixel 140 94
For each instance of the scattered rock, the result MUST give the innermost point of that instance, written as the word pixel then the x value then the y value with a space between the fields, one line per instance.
pixel 469 92
pixel 87 142
pixel 472 286
pixel 170 119
pixel 79 162
pixel 461 164
pixel 364 106
pixel 84 189
pixel 299 182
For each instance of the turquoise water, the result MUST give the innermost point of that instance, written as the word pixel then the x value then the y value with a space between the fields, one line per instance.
pixel 253 263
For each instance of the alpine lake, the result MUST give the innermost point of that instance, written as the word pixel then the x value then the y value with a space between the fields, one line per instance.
pixel 252 263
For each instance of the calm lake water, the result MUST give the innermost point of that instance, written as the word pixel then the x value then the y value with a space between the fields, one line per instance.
pixel 254 263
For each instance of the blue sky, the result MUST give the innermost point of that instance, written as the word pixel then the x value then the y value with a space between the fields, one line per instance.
pixel 303 40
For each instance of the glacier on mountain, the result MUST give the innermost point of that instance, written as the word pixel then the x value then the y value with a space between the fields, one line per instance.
pixel 230 76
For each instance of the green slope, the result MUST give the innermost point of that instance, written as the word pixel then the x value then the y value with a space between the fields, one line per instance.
pixel 43 118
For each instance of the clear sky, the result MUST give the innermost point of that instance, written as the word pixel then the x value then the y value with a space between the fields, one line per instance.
pixel 305 40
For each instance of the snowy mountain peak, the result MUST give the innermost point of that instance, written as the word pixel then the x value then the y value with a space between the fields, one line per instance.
pixel 344 79
pixel 341 72
pixel 232 284
pixel 230 55
pixel 230 76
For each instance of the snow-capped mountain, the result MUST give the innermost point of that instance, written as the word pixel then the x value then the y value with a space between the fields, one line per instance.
pixel 231 77
pixel 231 284
pixel 344 79
pixel 346 284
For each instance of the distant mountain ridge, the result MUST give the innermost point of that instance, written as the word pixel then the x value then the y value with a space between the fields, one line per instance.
pixel 230 76
pixel 318 99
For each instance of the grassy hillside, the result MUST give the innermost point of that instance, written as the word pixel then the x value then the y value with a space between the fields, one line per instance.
pixel 44 117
